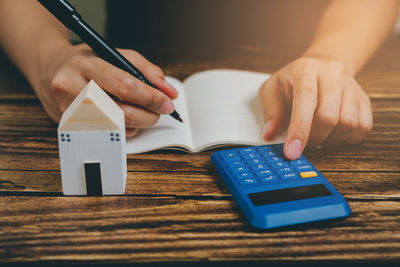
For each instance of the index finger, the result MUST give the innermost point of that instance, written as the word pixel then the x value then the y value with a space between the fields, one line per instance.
pixel 305 90
pixel 126 87
pixel 152 72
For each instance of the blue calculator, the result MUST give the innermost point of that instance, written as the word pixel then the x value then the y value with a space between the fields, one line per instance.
pixel 273 191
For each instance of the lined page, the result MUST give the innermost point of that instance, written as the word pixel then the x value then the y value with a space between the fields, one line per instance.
pixel 224 108
pixel 167 132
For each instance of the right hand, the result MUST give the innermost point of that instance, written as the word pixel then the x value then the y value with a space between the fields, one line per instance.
pixel 320 101
pixel 63 75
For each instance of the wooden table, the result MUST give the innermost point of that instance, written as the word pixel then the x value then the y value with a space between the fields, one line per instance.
pixel 176 208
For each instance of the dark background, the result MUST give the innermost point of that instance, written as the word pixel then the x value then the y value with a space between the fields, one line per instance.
pixel 176 28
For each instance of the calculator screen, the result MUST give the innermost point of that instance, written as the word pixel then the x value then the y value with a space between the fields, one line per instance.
pixel 289 194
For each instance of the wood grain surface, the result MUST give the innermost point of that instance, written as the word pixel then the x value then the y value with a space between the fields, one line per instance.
pixel 176 207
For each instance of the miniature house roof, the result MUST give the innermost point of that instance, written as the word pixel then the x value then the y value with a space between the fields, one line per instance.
pixel 93 110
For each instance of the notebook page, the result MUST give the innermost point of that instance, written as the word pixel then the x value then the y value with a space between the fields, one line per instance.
pixel 224 108
pixel 167 132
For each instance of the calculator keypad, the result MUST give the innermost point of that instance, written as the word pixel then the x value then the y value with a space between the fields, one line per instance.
pixel 265 164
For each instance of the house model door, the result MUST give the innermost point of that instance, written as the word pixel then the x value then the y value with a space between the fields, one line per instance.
pixel 93 179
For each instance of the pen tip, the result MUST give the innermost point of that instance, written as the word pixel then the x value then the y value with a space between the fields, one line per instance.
pixel 176 116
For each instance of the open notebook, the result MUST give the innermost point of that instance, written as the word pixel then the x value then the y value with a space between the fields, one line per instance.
pixel 218 107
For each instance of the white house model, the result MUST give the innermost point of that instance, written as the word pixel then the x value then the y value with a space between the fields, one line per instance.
pixel 91 139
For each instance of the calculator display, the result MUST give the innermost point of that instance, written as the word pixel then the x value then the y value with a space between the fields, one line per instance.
pixel 289 194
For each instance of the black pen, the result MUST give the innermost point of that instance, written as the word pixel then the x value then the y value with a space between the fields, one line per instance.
pixel 67 14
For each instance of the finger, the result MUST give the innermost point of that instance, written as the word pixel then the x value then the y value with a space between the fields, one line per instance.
pixel 365 121
pixel 131 132
pixel 126 87
pixel 152 72
pixel 273 103
pixel 67 84
pixel 303 107
pixel 136 117
pixel 327 111
pixel 348 115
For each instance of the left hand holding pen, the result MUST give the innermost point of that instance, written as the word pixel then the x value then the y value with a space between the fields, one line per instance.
pixel 323 104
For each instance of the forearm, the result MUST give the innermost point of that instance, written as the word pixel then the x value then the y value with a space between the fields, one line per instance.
pixel 350 31
pixel 28 33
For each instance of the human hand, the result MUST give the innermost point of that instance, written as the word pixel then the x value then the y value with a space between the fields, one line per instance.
pixel 322 103
pixel 63 75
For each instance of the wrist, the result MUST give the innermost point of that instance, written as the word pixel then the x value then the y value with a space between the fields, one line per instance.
pixel 332 55
pixel 348 67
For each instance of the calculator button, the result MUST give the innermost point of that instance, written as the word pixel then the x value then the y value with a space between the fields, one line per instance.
pixel 298 162
pixel 240 169
pixel 248 181
pixel 259 167
pixel 279 164
pixel 304 168
pixel 265 148
pixel 284 170
pixel 264 173
pixel 269 154
pixel 274 159
pixel 255 161
pixel 268 179
pixel 248 150
pixel 244 175
pixel 289 175
pixel 308 174
pixel 251 156
pixel 234 164
pixel 231 156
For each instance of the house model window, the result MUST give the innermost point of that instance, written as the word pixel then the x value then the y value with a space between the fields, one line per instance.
pixel 65 137
pixel 91 137
pixel 115 137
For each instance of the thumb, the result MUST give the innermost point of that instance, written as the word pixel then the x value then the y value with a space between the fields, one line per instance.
pixel 273 103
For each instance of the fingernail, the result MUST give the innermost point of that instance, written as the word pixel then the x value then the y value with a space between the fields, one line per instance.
pixel 266 129
pixel 170 86
pixel 293 149
pixel 167 107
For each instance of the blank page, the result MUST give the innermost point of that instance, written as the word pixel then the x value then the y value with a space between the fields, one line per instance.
pixel 167 132
pixel 224 108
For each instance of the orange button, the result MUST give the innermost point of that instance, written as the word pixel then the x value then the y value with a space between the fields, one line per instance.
pixel 308 174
